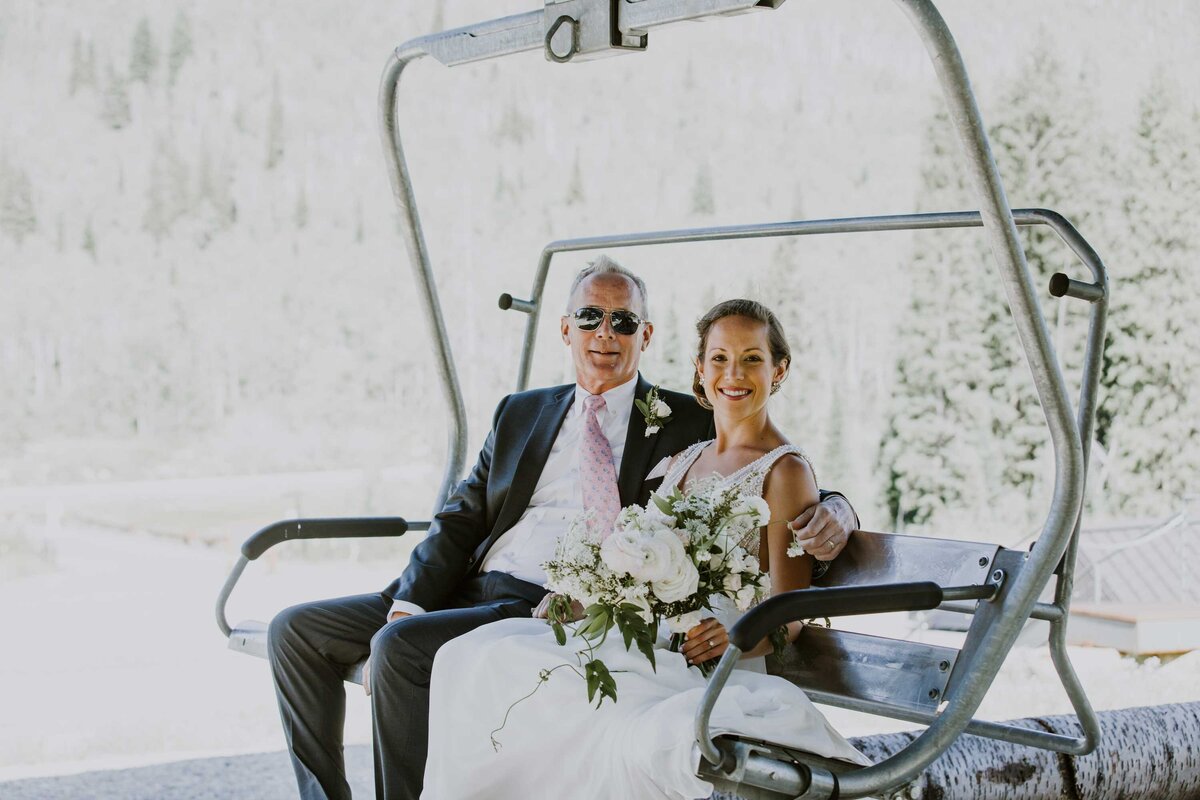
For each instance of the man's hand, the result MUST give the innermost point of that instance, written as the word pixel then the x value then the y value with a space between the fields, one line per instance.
pixel 392 617
pixel 543 608
pixel 823 530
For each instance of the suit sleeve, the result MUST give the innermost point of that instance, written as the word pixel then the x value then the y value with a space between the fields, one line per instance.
pixel 440 561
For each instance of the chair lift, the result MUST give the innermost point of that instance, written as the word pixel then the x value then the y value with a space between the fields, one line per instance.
pixel 877 572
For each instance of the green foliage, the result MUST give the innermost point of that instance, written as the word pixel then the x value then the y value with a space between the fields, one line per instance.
pixel 18 218
pixel 966 433
pixel 114 108
pixel 181 48
pixel 275 127
pixel 143 53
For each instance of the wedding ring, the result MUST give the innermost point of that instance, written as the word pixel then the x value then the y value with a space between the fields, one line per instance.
pixel 710 644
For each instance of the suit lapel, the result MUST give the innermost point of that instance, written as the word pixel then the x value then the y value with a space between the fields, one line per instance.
pixel 533 458
pixel 635 462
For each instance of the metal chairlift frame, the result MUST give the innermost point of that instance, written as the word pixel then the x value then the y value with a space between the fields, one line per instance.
pixel 570 29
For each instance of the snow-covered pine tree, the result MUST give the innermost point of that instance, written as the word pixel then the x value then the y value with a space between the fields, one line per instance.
pixel 1047 156
pixel 18 218
pixel 181 47
pixel 966 429
pixel 702 198
pixel 1150 396
pixel 167 195
pixel 83 66
pixel 89 240
pixel 275 126
pixel 114 110
pixel 575 185
pixel 143 53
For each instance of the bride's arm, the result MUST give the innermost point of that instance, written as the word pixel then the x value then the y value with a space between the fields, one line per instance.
pixel 790 488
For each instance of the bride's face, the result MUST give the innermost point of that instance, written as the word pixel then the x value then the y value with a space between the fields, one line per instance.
pixel 737 371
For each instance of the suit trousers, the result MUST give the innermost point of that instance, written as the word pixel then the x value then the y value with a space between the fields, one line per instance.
pixel 312 646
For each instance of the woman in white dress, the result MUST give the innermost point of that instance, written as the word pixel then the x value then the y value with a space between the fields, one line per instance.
pixel 555 744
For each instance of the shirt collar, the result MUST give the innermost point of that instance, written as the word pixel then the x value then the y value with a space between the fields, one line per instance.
pixel 616 398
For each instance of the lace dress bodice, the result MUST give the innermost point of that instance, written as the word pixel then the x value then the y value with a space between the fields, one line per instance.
pixel 749 479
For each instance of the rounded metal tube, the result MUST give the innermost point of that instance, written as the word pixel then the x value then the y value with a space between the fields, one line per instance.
pixel 226 590
pixel 1031 328
pixel 716 682
pixel 418 257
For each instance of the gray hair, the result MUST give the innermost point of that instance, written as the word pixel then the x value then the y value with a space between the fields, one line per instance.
pixel 603 265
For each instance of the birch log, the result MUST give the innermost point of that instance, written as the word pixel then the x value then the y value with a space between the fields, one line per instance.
pixel 1144 754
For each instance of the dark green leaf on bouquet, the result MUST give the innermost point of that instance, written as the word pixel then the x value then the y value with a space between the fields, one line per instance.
pixel 664 504
pixel 599 681
pixel 646 645
pixel 560 634
pixel 716 551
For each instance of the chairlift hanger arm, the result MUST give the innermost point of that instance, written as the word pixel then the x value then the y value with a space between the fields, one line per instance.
pixel 570 29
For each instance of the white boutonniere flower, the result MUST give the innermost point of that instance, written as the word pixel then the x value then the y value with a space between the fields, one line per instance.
pixel 655 411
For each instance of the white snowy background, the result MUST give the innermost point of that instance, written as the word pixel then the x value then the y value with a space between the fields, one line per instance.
pixel 207 319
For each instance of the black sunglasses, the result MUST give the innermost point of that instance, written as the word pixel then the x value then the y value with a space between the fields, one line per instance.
pixel 589 318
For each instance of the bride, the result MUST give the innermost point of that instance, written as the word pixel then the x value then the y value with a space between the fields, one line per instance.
pixel 554 743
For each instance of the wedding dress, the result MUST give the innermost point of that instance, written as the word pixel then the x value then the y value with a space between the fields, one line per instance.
pixel 555 744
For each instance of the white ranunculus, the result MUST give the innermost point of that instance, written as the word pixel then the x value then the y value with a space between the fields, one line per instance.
pixel 745 597
pixel 733 582
pixel 684 622
pixel 645 556
pixel 683 578
pixel 660 408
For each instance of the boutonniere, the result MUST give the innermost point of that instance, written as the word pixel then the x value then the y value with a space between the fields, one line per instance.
pixel 654 410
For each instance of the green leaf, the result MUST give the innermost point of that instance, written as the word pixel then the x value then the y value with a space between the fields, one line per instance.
pixel 560 635
pixel 642 407
pixel 647 648
pixel 663 503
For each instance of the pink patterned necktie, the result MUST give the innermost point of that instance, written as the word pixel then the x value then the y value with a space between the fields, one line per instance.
pixel 597 476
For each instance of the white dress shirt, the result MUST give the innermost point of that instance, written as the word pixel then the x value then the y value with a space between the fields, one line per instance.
pixel 557 499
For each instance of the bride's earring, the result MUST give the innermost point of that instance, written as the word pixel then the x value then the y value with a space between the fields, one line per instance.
pixel 698 391
pixel 775 386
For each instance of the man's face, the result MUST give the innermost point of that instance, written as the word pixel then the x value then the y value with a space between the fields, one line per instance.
pixel 605 359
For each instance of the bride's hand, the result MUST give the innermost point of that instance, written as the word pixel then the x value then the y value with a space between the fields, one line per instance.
pixel 706 641
pixel 543 608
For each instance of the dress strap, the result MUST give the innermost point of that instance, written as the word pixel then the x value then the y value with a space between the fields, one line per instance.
pixel 753 476
pixel 681 463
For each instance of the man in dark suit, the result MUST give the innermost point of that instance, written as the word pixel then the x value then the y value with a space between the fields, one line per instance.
pixel 481 560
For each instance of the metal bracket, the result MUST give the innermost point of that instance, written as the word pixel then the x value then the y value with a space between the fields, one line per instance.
pixel 507 302
pixel 588 29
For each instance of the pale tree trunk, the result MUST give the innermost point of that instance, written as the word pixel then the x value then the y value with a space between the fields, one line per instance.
pixel 1148 753
pixel 1144 754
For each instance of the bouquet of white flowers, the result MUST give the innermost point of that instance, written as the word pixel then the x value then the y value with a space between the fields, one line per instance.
pixel 666 561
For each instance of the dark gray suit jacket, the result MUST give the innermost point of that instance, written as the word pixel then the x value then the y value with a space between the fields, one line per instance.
pixel 497 491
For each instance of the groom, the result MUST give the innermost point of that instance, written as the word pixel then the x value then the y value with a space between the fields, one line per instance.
pixel 550 453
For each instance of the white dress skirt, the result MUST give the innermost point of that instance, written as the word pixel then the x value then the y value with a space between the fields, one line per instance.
pixel 556 745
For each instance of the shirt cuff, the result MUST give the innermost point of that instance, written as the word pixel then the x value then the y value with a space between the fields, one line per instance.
pixel 407 608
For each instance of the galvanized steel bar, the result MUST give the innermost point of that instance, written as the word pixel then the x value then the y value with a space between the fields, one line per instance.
pixel 234 575
pixel 767 230
pixel 1051 389
pixel 418 259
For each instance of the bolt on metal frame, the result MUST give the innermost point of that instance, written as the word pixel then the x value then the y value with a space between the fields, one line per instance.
pixel 628 21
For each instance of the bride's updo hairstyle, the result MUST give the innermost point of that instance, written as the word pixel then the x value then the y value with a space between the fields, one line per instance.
pixel 776 340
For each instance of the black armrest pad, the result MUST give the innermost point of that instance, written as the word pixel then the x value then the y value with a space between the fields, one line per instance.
pixel 348 528
pixel 839 602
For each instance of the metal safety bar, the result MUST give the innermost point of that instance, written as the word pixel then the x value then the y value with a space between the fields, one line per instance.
pixel 521 33
pixel 264 539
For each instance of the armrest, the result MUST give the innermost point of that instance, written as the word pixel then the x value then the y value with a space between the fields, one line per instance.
pixel 327 528
pixel 838 602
